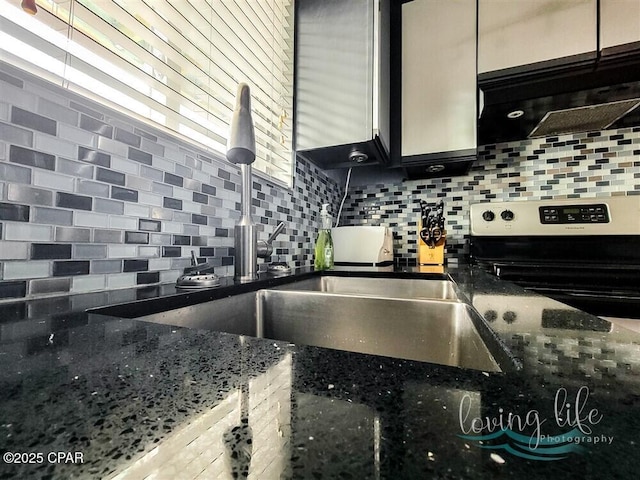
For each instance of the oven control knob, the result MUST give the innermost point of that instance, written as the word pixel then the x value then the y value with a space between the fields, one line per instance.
pixel 507 215
pixel 488 216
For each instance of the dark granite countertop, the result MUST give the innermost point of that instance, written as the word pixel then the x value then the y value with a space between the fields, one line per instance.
pixel 123 398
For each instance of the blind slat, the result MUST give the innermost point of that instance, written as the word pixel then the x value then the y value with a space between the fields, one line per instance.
pixel 173 62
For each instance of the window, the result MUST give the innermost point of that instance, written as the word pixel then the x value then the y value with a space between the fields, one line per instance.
pixel 173 63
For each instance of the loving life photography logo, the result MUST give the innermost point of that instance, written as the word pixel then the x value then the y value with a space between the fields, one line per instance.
pixel 528 435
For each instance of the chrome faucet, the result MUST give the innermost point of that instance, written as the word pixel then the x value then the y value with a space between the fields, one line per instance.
pixel 241 150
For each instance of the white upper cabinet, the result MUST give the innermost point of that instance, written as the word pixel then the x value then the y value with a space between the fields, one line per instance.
pixel 514 33
pixel 438 76
pixel 619 22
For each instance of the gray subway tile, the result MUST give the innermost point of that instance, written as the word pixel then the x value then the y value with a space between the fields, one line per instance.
pixel 16 135
pixel 50 251
pixel 93 156
pixel 108 236
pixel 95 126
pixel 127 137
pixel 73 235
pixel 191 184
pixel 57 112
pixel 138 183
pixel 183 172
pixel 13 250
pixel 172 179
pixel 172 203
pixel 109 176
pixel 14 212
pixel 106 266
pixel 104 205
pixel 75 169
pixel 32 158
pixel 125 194
pixel 52 216
pixel 33 121
pixel 29 195
pixel 136 237
pixel 77 202
pixel 63 268
pixel 152 147
pixel 151 173
pixel 160 239
pixel 158 213
pixel 162 189
pixel 149 225
pixel 94 189
pixel 90 251
pixel 13 173
pixel 42 286
pixel 140 156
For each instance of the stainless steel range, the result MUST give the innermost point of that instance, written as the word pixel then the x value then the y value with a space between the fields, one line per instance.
pixel 583 252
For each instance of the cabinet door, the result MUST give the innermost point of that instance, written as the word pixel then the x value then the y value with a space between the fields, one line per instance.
pixel 514 33
pixel 334 55
pixel 438 76
pixel 619 22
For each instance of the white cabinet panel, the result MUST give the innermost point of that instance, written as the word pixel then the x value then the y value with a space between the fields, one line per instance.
pixel 619 22
pixel 438 76
pixel 514 33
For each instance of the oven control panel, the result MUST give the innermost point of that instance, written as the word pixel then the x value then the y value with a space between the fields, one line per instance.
pixel 570 214
pixel 614 215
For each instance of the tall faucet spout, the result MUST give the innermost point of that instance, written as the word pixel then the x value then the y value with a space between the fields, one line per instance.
pixel 245 233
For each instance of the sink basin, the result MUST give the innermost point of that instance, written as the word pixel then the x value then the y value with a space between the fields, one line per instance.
pixel 425 330
pixel 378 287
pixel 438 331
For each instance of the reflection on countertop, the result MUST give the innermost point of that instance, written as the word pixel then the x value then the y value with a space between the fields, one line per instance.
pixel 144 400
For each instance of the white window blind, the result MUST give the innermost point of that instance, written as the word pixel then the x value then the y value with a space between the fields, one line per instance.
pixel 174 63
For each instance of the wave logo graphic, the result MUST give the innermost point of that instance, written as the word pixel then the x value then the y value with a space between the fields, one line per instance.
pixel 546 448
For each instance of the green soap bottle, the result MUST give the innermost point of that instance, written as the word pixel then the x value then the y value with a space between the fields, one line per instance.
pixel 324 244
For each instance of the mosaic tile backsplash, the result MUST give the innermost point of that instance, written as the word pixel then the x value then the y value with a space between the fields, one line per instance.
pixel 594 164
pixel 91 199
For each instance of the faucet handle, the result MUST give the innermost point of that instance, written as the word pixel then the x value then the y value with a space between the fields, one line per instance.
pixel 265 249
pixel 275 233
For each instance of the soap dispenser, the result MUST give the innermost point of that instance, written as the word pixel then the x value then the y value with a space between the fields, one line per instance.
pixel 324 244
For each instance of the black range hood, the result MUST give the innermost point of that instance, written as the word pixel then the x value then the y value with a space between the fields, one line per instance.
pixel 573 94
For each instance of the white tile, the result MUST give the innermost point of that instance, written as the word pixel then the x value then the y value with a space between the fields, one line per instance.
pixel 27 232
pixel 122 251
pixel 159 264
pixel 54 146
pixel 30 269
pixel 122 280
pixel 150 199
pixel 135 210
pixel 123 223
pixel 148 252
pixel 88 283
pixel 77 136
pixel 87 219
pixel 124 165
pixel 44 178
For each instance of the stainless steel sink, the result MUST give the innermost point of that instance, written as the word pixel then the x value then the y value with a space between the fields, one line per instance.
pixel 444 332
pixel 378 287
pixel 424 330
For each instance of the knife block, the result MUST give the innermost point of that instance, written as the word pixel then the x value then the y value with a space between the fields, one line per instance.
pixel 431 255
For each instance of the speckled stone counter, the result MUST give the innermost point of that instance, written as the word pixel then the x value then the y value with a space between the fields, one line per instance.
pixel 122 398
